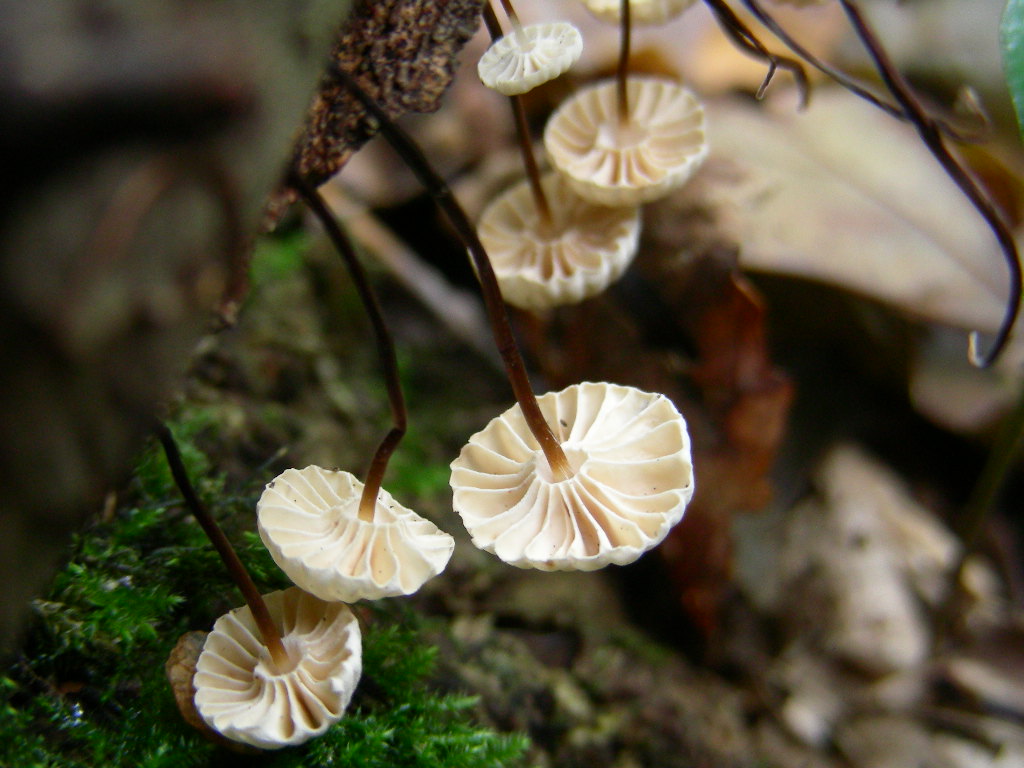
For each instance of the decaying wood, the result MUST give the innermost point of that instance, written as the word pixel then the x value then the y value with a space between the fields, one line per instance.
pixel 403 53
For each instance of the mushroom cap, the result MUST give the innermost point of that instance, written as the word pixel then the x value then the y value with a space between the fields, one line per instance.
pixel 530 56
pixel 652 12
pixel 309 520
pixel 587 248
pixel 655 151
pixel 633 479
pixel 244 695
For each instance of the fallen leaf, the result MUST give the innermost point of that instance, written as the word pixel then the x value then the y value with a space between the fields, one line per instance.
pixel 846 195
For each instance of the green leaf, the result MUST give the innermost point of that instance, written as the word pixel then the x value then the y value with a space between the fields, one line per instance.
pixel 1012 34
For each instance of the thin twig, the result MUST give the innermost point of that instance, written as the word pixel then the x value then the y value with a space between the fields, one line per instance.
pixel 744 37
pixel 931 135
pixel 847 82
pixel 385 346
pixel 501 328
pixel 241 577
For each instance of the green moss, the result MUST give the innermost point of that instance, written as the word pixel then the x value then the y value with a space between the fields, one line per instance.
pixel 90 688
pixel 277 256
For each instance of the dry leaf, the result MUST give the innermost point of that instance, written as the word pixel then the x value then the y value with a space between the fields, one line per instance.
pixel 844 194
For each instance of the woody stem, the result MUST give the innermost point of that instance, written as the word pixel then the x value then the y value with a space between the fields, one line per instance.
pixel 265 624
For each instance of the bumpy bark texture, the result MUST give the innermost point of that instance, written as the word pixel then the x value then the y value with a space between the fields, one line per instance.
pixel 403 53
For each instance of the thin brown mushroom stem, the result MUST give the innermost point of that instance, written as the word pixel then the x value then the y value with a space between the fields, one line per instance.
pixel 385 347
pixel 501 328
pixel 622 70
pixel 522 131
pixel 268 630
pixel 745 39
pixel 931 134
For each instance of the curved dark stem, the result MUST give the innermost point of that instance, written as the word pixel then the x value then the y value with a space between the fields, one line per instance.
pixel 931 135
pixel 385 346
pixel 540 200
pixel 844 80
pixel 241 577
pixel 622 70
pixel 744 38
pixel 500 326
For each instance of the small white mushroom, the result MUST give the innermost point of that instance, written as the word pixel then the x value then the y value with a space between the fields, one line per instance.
pixel 582 251
pixel 632 479
pixel 614 162
pixel 530 56
pixel 651 12
pixel 244 695
pixel 309 520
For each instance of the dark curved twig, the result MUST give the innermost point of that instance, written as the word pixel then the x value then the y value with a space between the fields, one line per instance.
pixel 931 135
pixel 745 38
pixel 852 85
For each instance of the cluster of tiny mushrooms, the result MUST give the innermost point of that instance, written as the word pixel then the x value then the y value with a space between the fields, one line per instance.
pixel 573 480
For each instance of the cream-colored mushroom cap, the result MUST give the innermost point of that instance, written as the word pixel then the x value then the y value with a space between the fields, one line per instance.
pixel 632 479
pixel 613 163
pixel 309 520
pixel 244 695
pixel 651 12
pixel 530 56
pixel 586 248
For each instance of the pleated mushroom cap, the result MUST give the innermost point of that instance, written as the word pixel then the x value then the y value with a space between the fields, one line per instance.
pixel 609 163
pixel 530 56
pixel 244 695
pixel 309 520
pixel 650 12
pixel 586 248
pixel 632 480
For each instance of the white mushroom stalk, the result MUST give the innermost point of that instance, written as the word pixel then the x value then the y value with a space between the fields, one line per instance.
pixel 310 521
pixel 631 480
pixel 577 253
pixel 249 696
